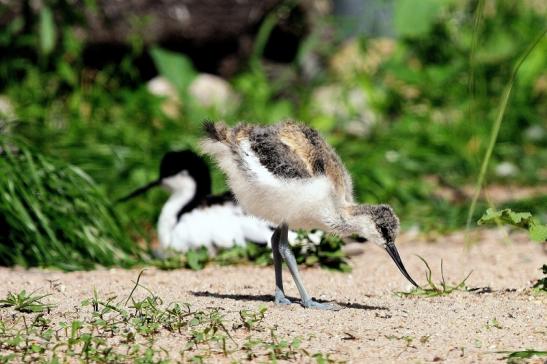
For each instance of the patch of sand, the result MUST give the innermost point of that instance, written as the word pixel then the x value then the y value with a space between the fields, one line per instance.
pixel 376 326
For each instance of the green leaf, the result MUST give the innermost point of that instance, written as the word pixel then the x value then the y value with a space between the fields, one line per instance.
pixel 520 218
pixel 527 353
pixel 489 216
pixel 196 259
pixel 534 65
pixel 524 220
pixel 507 216
pixel 175 67
pixel 47 31
pixel 311 260
pixel 414 18
pixel 538 232
pixel 498 48
pixel 66 72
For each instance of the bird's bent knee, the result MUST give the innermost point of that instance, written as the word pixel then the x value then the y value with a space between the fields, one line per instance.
pixel 284 251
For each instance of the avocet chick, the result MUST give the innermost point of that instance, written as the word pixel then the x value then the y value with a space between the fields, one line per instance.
pixel 287 174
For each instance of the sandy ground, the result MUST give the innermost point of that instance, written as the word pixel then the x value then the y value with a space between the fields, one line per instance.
pixel 376 326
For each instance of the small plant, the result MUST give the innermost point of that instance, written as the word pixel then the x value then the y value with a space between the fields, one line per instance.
pixel 197 258
pixel 26 302
pixel 113 330
pixel 321 358
pixel 407 338
pixel 519 356
pixel 541 284
pixel 280 348
pixel 493 323
pixel 523 220
pixel 433 290
pixel 251 319
pixel 310 248
pixel 208 330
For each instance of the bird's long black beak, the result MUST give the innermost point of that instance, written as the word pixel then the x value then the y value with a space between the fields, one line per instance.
pixel 139 191
pixel 394 254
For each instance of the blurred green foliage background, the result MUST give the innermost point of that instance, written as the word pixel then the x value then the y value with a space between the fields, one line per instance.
pixel 411 115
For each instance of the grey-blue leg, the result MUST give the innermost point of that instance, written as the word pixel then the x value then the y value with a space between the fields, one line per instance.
pixel 279 292
pixel 288 256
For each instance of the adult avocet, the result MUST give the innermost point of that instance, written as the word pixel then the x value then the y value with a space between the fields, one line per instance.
pixel 287 174
pixel 192 217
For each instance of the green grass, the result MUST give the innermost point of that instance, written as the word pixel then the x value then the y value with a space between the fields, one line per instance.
pixel 432 289
pixel 127 329
pixel 53 214
pixel 26 302
pixel 497 125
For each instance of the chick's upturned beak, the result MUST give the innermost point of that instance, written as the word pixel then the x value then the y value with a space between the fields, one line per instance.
pixel 394 254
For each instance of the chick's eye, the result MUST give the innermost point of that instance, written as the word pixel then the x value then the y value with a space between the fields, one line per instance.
pixel 359 239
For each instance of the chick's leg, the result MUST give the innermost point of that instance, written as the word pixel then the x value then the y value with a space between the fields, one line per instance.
pixel 288 256
pixel 279 292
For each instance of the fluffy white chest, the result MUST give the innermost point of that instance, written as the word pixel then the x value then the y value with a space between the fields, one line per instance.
pixel 301 203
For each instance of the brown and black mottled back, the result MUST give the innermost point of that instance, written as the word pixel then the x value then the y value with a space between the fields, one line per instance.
pixel 288 150
pixel 275 155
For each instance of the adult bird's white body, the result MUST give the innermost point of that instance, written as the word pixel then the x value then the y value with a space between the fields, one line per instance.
pixel 221 225
pixel 287 174
pixel 192 217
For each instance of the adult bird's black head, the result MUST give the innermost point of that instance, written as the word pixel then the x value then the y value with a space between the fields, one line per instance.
pixel 181 171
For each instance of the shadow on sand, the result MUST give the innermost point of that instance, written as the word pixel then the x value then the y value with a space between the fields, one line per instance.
pixel 270 298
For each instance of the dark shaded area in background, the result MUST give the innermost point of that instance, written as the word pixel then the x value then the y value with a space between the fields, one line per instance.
pixel 217 35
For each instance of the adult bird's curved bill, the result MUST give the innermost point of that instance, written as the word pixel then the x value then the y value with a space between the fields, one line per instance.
pixel 140 191
pixel 394 254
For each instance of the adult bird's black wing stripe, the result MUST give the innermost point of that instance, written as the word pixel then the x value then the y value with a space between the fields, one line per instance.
pixel 221 199
pixel 200 201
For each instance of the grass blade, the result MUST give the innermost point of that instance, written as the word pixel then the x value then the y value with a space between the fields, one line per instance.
pixel 496 128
